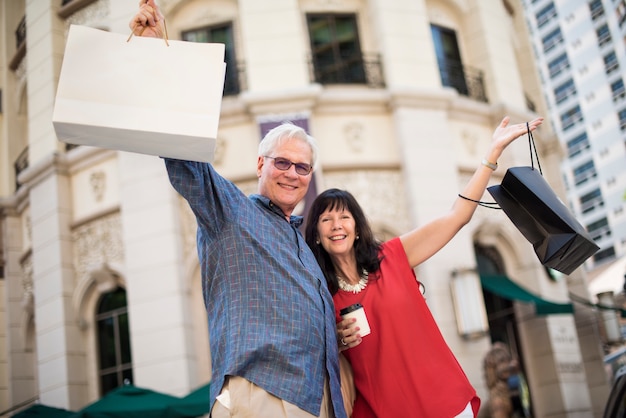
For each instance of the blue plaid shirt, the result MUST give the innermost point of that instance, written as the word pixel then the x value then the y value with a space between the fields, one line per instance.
pixel 271 317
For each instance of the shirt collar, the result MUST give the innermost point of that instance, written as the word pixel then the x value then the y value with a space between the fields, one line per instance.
pixel 294 220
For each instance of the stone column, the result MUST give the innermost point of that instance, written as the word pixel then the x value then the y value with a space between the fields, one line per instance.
pixel 402 32
pixel 157 289
pixel 60 362
pixel 18 313
pixel 275 45
pixel 61 376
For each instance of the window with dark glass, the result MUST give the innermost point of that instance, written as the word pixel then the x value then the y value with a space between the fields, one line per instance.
pixel 223 34
pixel 551 40
pixel 449 59
pixel 618 90
pixel 610 62
pixel 571 117
pixel 544 15
pixel 114 357
pixel 604 35
pixel 564 91
pixel 557 65
pixel 599 228
pixel 20 33
pixel 584 172
pixel 591 200
pixel 577 145
pixel 336 49
pixel 596 9
pixel 604 254
pixel 621 115
pixel 21 163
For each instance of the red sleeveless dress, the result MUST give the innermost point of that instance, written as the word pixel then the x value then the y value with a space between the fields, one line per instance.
pixel 404 368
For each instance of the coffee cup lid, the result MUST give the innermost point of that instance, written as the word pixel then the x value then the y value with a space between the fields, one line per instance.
pixel 350 308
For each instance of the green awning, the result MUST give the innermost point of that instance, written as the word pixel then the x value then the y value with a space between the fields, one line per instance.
pixel 41 411
pixel 130 401
pixel 508 289
pixel 195 404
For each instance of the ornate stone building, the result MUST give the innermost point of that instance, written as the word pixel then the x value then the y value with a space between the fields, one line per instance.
pixel 100 280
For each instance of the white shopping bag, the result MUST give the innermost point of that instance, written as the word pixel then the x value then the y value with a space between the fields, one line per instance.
pixel 140 96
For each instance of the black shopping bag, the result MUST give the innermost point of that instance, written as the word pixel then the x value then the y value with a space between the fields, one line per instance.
pixel 559 240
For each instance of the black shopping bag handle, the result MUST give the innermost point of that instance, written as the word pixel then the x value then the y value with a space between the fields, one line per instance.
pixel 531 147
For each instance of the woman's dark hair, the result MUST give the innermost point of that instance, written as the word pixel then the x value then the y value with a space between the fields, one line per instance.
pixel 366 248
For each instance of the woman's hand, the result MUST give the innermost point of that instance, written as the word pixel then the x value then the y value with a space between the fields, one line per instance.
pixel 348 334
pixel 505 134
pixel 147 20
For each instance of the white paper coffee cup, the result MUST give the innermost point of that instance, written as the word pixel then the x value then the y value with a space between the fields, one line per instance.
pixel 357 311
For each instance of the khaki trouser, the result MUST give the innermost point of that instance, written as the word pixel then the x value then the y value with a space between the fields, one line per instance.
pixel 243 399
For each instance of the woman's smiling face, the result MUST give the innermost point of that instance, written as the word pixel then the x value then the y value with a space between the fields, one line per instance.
pixel 336 230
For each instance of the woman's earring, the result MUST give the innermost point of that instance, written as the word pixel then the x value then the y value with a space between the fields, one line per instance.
pixel 357 236
pixel 317 242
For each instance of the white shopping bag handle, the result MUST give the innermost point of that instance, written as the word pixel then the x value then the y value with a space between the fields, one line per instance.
pixel 144 28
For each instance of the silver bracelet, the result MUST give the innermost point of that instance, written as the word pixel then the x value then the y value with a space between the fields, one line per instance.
pixel 493 166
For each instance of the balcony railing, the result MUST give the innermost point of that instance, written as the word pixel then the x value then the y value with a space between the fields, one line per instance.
pixel 20 33
pixel 569 121
pixel 550 43
pixel 557 69
pixel 563 95
pixel 596 10
pixel 612 66
pixel 69 7
pixel 592 204
pixel 583 177
pixel 604 39
pixel 356 69
pixel 20 43
pixel 574 150
pixel 235 80
pixel 466 80
pixel 598 233
pixel 21 164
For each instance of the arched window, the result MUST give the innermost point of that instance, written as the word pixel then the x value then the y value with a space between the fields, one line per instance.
pixel 115 365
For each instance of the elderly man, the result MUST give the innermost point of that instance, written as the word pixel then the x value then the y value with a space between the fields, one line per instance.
pixel 270 314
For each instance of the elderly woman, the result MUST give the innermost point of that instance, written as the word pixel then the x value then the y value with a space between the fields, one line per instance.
pixel 404 368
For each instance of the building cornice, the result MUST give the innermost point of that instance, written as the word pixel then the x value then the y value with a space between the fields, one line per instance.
pixel 54 163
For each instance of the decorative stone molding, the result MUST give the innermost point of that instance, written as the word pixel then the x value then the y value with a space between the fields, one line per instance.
pixel 470 139
pixel 28 228
pixel 97 180
pixel 374 190
pixel 91 14
pixel 28 300
pixel 353 133
pixel 97 243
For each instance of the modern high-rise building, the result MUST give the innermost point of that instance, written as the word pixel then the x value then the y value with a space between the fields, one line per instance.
pixel 581 57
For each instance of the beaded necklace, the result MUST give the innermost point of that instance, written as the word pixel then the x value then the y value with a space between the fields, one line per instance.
pixel 354 288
